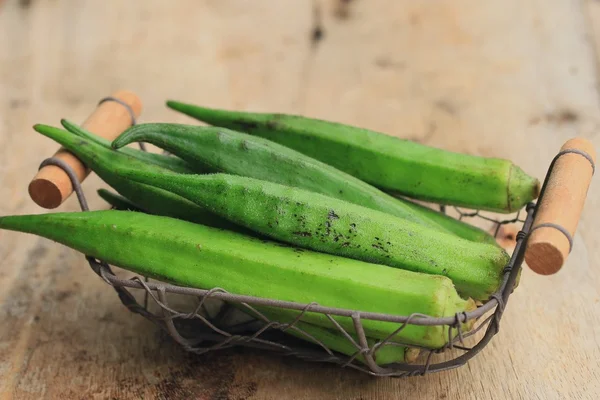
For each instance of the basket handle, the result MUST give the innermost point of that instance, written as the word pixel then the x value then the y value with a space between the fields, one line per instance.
pixel 51 185
pixel 559 207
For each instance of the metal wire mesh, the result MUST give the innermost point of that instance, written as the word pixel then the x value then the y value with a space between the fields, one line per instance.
pixel 208 326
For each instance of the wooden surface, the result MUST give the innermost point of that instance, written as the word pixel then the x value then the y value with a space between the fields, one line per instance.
pixel 508 79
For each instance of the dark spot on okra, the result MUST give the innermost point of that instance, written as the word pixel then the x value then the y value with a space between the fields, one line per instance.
pixel 328 228
pixel 444 271
pixel 244 145
pixel 332 215
pixel 345 244
pixel 303 234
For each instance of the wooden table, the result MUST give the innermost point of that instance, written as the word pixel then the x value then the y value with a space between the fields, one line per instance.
pixel 508 79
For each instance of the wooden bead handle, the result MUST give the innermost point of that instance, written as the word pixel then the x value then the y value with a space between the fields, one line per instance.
pixel 51 185
pixel 560 206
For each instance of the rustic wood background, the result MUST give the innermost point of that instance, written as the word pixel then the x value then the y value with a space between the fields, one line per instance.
pixel 506 78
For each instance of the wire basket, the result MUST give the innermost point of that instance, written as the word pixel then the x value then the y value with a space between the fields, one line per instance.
pixel 206 328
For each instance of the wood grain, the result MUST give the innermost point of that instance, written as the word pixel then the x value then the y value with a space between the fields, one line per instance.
pixel 508 79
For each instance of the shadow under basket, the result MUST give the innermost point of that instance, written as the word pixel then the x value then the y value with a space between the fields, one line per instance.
pixel 204 320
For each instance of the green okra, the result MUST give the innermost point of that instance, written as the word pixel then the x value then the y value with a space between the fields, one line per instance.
pixel 106 162
pixel 195 255
pixel 396 165
pixel 224 150
pixel 321 223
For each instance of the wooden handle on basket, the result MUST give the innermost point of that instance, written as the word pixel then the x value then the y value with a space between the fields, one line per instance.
pixel 558 212
pixel 51 185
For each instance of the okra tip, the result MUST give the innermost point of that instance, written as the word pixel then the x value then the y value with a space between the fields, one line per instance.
pixel 191 110
pixel 174 104
pixel 41 128
pixel 57 134
pixel 68 125
pixel 12 222
pixel 49 131
pixel 127 137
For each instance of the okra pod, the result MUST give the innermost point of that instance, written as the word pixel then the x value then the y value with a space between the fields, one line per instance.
pixel 393 164
pixel 194 255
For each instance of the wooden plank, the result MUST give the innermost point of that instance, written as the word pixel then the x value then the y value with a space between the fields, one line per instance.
pixel 508 79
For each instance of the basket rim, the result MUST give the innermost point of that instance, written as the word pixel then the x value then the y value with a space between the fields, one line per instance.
pixel 496 301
